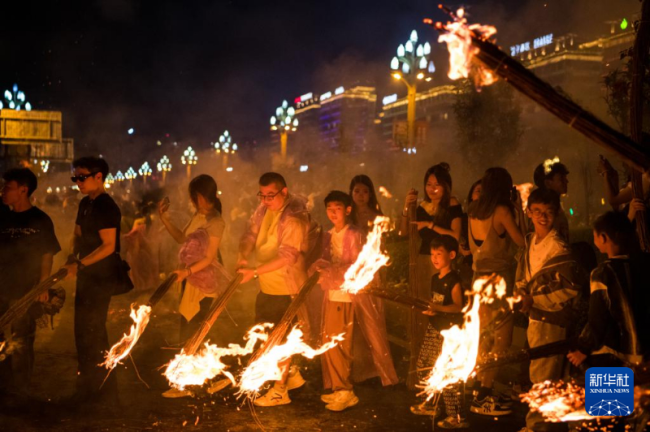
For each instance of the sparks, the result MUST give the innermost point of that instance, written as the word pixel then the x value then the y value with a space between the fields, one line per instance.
pixel 461 51
pixel 268 366
pixel 121 350
pixel 369 261
pixel 557 402
pixel 185 370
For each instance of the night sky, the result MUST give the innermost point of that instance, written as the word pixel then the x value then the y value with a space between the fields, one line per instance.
pixel 194 68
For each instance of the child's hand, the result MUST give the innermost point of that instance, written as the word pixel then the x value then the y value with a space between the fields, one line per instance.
pixel 428 312
pixel 422 225
pixel 320 265
pixel 526 303
pixel 576 358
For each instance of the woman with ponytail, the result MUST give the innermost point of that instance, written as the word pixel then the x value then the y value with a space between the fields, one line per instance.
pixel 202 276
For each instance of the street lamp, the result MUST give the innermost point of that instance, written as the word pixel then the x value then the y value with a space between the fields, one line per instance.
pixel 15 100
pixel 225 146
pixel 119 177
pixel 145 171
pixel 284 122
pixel 130 175
pixel 411 65
pixel 164 166
pixel 189 158
pixel 110 179
pixel 45 165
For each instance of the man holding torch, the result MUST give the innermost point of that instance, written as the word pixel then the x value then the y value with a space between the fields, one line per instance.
pixel 278 234
pixel 100 274
pixel 27 247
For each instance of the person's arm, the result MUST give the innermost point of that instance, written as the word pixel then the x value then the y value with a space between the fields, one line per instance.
pixel 248 239
pixel 104 250
pixel 288 251
pixel 599 317
pixel 411 197
pixel 177 234
pixel 210 256
pixel 456 306
pixel 76 240
pixel 504 216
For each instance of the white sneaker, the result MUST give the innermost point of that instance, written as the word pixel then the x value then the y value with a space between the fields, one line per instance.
pixel 295 379
pixel 328 398
pixel 274 397
pixel 343 399
pixel 174 393
pixel 217 386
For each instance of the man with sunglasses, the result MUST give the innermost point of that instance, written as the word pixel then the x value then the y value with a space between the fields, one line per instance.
pixel 27 247
pixel 97 244
pixel 278 234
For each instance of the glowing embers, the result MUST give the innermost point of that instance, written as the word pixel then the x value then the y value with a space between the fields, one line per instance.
pixel 271 365
pixel 458 38
pixel 557 401
pixel 369 261
pixel 121 350
pixel 185 370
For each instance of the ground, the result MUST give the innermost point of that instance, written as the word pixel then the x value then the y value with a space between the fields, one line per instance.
pixel 143 408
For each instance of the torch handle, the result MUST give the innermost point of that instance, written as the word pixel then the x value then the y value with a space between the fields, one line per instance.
pixel 218 305
pixel 162 290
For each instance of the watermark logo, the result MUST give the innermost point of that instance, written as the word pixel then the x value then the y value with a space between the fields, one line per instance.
pixel 609 391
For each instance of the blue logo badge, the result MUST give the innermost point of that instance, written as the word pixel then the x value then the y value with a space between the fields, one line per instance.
pixel 609 391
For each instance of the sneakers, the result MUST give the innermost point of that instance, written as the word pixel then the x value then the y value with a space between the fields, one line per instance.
pixel 217 386
pixel 343 399
pixel 426 408
pixel 453 423
pixel 274 397
pixel 174 393
pixel 489 406
pixel 328 398
pixel 295 379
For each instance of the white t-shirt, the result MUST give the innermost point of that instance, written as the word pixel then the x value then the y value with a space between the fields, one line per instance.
pixel 546 249
pixel 336 248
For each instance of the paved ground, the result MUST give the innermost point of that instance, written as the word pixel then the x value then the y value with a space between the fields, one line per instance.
pixel 143 408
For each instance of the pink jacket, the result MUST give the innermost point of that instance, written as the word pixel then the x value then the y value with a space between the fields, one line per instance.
pixel 372 355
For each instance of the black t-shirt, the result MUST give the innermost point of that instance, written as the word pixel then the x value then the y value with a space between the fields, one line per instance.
pixel 94 216
pixel 24 238
pixel 443 220
pixel 441 289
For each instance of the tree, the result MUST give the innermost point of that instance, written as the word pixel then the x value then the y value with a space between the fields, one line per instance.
pixel 488 122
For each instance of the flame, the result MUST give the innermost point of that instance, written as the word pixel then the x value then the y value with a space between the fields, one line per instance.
pixel 369 261
pixel 268 366
pixel 120 350
pixel 459 353
pixel 2 354
pixel 524 190
pixel 385 192
pixel 461 51
pixel 185 370
pixel 457 359
pixel 558 402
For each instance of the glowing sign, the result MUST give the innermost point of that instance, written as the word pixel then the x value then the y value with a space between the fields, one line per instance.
pixel 339 90
pixel 539 42
pixel 306 97
pixel 389 99
pixel 325 96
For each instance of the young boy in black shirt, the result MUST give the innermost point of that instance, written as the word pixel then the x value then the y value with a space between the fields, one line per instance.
pixel 27 247
pixel 445 312
pixel 97 244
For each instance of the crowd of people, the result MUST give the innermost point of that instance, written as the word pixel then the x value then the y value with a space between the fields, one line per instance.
pixel 564 293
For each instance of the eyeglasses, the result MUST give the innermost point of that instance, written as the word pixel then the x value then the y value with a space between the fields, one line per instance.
pixel 538 213
pixel 81 177
pixel 268 197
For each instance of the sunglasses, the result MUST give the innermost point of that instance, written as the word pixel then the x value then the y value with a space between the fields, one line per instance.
pixel 81 177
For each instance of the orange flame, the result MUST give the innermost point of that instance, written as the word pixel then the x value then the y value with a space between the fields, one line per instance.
pixel 457 359
pixel 185 370
pixel 461 51
pixel 385 192
pixel 558 402
pixel 267 367
pixel 459 353
pixel 121 350
pixel 369 261
pixel 524 191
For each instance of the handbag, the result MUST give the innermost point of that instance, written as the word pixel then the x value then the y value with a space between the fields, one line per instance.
pixel 123 282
